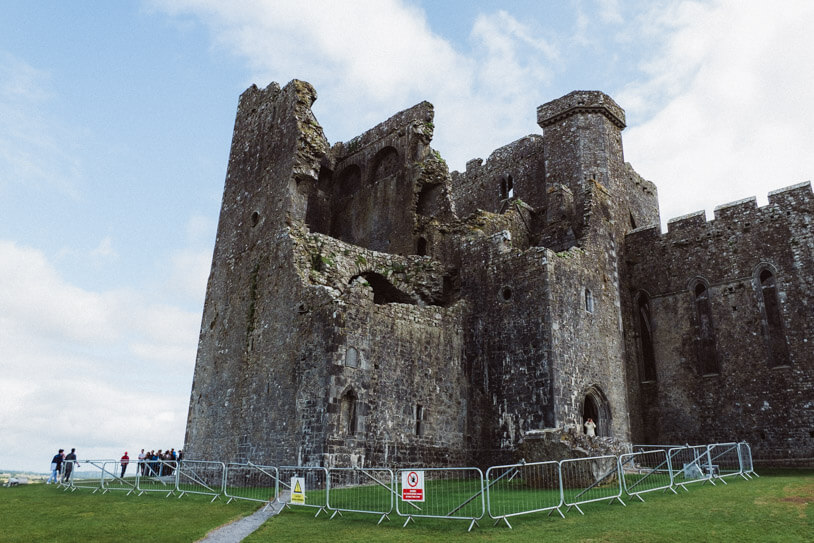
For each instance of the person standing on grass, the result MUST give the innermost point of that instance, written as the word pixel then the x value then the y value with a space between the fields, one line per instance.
pixel 56 467
pixel 70 464
pixel 124 461
pixel 141 458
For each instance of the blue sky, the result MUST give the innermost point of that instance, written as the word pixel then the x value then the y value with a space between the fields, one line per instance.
pixel 116 120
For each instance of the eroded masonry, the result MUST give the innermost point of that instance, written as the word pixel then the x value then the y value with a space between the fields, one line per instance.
pixel 368 307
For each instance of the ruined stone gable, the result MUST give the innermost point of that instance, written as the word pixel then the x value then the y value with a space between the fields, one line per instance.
pixel 368 307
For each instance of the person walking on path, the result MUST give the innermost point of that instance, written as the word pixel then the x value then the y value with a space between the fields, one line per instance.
pixel 124 461
pixel 56 467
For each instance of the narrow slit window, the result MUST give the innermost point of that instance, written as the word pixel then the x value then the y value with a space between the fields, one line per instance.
pixel 705 337
pixel 419 420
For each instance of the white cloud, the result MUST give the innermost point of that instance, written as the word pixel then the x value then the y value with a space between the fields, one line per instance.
pixel 36 151
pixel 369 59
pixel 87 369
pixel 729 104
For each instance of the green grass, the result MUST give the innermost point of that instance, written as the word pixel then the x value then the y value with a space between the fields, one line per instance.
pixel 39 512
pixel 774 508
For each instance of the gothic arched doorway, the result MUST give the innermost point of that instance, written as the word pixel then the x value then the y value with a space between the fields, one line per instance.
pixel 595 407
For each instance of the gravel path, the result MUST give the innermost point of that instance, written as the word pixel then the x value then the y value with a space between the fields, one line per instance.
pixel 240 529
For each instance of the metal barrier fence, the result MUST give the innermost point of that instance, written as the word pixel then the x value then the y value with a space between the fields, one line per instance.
pixel 251 482
pixel 520 489
pixel 361 490
pixel 86 474
pixel 157 476
pixel 304 486
pixel 747 466
pixel 646 471
pixel 198 477
pixel 112 478
pixel 724 460
pixel 690 464
pixel 444 493
pixel 586 480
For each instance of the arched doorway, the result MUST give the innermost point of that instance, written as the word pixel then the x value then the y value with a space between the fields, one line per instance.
pixel 595 407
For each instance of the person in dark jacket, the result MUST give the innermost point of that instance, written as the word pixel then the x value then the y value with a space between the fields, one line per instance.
pixel 70 464
pixel 56 467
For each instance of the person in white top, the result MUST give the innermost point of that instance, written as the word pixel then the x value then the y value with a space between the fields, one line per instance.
pixel 590 428
pixel 141 458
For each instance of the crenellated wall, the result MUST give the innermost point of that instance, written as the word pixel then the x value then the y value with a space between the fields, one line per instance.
pixel 749 395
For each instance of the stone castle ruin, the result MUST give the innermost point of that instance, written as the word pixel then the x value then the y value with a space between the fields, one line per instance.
pixel 368 307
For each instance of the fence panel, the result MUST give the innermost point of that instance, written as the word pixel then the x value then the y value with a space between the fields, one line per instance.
pixel 85 474
pixel 520 489
pixel 724 460
pixel 690 464
pixel 586 480
pixel 361 490
pixel 251 482
pixel 304 486
pixel 447 493
pixel 112 478
pixel 748 468
pixel 198 477
pixel 157 476
pixel 646 471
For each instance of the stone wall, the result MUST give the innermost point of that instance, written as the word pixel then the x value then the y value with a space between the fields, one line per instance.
pixel 729 388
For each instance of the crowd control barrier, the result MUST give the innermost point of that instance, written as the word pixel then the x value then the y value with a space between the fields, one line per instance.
pixel 112 479
pixel 444 493
pixel 747 466
pixel 690 464
pixel 361 490
pixel 304 486
pixel 646 471
pixel 524 488
pixel 724 460
pixel 251 482
pixel 456 493
pixel 586 480
pixel 198 477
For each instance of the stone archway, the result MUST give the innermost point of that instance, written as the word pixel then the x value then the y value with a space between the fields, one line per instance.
pixel 595 406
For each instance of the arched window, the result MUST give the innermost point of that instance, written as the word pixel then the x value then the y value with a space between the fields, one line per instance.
pixel 648 357
pixel 347 413
pixel 705 332
pixel 772 320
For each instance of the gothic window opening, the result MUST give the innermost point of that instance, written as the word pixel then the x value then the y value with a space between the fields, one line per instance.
pixel 646 350
pixel 347 413
pixel 772 320
pixel 419 420
pixel 705 332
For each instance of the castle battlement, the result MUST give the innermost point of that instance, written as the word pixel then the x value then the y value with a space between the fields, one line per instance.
pixel 738 215
pixel 577 102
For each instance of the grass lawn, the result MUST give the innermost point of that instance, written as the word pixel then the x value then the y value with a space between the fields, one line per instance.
pixel 775 507
pixel 39 512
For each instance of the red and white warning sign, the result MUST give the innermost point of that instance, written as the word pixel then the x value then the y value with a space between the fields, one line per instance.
pixel 412 486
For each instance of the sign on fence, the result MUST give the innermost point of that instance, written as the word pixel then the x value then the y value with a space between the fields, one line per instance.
pixel 412 486
pixel 298 490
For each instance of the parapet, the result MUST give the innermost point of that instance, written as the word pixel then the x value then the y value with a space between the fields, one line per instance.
pixel 801 192
pixel 689 220
pixel 577 102
pixel 735 209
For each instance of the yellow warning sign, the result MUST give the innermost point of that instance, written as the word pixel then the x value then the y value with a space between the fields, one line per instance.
pixel 298 490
